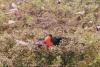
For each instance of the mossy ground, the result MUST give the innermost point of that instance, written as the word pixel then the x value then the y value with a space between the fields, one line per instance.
pixel 36 18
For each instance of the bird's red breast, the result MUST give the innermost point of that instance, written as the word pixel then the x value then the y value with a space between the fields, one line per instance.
pixel 48 41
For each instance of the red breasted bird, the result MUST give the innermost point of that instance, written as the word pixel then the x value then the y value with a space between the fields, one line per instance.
pixel 52 40
pixel 49 41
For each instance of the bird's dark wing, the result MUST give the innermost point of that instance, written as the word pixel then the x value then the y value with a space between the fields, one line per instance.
pixel 56 40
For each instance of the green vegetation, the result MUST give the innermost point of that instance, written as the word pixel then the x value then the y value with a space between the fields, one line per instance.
pixel 74 19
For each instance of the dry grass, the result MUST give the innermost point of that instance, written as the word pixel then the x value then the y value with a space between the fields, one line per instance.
pixel 74 20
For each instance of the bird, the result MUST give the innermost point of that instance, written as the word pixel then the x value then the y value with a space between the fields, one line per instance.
pixel 49 41
pixel 56 40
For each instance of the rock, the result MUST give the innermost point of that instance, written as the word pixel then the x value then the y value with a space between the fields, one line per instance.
pixel 80 13
pixel 98 28
pixel 14 6
pixel 39 42
pixel 87 25
pixel 11 22
pixel 59 1
pixel 3 6
pixel 21 42
pixel 13 9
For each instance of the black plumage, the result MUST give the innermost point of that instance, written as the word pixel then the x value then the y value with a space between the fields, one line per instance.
pixel 56 40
